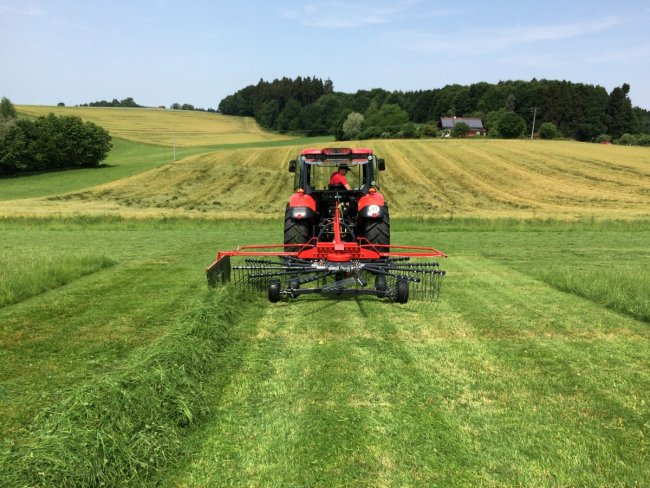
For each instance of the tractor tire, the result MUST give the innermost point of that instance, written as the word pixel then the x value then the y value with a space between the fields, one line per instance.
pixel 296 232
pixel 377 231
pixel 402 291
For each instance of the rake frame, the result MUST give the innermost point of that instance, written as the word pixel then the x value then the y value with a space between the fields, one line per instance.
pixel 335 267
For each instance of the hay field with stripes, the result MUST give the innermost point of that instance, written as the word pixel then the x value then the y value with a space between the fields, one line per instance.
pixel 424 179
pixel 164 127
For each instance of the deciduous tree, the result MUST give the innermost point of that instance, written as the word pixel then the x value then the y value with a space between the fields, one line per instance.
pixel 7 109
pixel 352 125
pixel 461 129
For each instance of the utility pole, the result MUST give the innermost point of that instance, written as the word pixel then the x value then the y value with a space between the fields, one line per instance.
pixel 534 115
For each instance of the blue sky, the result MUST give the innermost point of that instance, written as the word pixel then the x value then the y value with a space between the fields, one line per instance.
pixel 164 51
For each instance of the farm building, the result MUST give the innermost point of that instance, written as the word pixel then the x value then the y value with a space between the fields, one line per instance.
pixel 475 124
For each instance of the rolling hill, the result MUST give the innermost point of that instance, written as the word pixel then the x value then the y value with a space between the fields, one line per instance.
pixel 424 179
pixel 165 127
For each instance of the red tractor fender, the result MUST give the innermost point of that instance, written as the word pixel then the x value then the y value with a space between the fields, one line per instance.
pixel 301 206
pixel 299 199
pixel 372 204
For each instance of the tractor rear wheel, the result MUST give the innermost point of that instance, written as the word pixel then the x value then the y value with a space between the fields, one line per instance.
pixel 377 231
pixel 296 232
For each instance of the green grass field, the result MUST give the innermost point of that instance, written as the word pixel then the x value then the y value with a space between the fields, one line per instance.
pixel 506 381
pixel 120 367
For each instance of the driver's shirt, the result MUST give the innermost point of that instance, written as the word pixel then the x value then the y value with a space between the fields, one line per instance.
pixel 338 179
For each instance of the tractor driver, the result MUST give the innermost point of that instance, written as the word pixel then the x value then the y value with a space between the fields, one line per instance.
pixel 339 178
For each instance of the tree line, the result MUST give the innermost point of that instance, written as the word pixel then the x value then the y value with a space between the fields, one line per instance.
pixel 49 142
pixel 311 106
pixel 127 102
pixel 130 103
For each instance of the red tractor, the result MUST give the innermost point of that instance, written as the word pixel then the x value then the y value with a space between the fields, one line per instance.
pixel 336 238
pixel 310 211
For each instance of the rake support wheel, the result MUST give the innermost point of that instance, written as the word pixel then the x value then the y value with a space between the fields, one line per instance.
pixel 402 291
pixel 274 290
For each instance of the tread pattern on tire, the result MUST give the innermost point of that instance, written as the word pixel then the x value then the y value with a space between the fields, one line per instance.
pixel 296 232
pixel 377 231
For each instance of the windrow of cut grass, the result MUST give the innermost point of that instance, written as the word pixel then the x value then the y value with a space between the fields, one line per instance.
pixel 242 183
pixel 529 179
pixel 67 335
pixel 424 179
pixel 182 128
pixel 25 275
pixel 127 424
pixel 626 290
pixel 611 271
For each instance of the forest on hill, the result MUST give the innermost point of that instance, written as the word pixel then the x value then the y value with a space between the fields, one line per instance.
pixel 311 106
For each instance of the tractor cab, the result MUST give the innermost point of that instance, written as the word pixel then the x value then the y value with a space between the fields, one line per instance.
pixel 314 168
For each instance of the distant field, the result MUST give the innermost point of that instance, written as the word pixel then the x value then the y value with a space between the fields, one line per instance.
pixel 163 127
pixel 127 158
pixel 424 179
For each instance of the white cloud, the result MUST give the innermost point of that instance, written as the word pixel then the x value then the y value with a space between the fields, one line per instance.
pixel 504 39
pixel 630 54
pixel 346 14
pixel 22 11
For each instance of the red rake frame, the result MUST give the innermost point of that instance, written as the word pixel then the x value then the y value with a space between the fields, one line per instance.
pixel 282 272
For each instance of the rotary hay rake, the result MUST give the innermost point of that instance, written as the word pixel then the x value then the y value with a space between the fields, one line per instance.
pixel 332 268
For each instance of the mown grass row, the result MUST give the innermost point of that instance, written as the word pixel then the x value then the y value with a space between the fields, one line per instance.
pixel 626 290
pixel 605 262
pixel 131 422
pixel 27 275
pixel 494 179
pixel 126 426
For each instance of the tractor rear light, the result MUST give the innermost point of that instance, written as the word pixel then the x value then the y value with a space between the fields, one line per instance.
pixel 299 216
